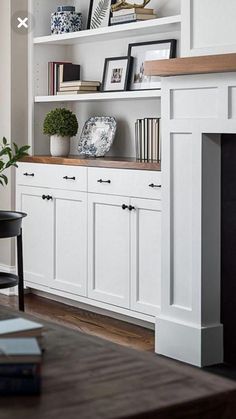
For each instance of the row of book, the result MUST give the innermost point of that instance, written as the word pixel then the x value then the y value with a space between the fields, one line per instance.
pixel 132 15
pixel 64 79
pixel 147 138
pixel 20 357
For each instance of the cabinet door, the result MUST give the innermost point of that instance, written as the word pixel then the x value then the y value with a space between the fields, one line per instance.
pixel 37 234
pixel 70 249
pixel 146 256
pixel 109 249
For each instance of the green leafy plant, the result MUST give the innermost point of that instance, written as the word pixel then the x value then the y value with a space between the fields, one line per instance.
pixel 9 157
pixel 61 122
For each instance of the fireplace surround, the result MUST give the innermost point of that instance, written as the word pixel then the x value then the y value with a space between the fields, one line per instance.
pixel 197 109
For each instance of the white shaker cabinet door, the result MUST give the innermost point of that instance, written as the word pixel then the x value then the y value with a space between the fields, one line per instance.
pixel 146 256
pixel 70 242
pixel 37 233
pixel 109 249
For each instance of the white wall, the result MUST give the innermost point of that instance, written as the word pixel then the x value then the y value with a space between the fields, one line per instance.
pixel 13 102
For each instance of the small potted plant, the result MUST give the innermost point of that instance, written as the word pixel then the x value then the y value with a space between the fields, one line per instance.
pixel 61 124
pixel 9 157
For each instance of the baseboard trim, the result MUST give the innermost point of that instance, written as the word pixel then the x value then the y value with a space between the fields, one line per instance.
pixel 10 270
pixel 189 343
pixel 93 308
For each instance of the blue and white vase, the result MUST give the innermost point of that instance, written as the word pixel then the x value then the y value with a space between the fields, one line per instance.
pixel 66 22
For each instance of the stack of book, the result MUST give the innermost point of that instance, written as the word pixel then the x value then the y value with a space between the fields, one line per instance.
pixel 59 72
pixel 77 87
pixel 20 357
pixel 132 15
pixel 147 137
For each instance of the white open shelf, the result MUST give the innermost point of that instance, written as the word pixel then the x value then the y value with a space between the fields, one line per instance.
pixel 88 97
pixel 154 26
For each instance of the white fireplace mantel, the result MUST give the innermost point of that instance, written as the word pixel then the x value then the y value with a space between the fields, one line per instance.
pixel 196 109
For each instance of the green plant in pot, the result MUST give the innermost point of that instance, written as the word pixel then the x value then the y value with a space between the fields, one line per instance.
pixel 9 156
pixel 61 124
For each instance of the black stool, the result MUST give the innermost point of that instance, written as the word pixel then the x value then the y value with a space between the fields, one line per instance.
pixel 10 226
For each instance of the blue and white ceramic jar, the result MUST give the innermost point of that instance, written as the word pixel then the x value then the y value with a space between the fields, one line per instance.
pixel 66 20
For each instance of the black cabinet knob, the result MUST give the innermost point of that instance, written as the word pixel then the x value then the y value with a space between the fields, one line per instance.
pixel 44 197
pixel 131 208
pixel 69 178
pixel 49 198
pixel 124 207
pixel 29 174
pixel 152 185
pixel 104 181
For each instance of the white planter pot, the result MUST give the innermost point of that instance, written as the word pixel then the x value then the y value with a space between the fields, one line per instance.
pixel 59 146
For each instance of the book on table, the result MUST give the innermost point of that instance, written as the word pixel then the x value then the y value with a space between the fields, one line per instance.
pixel 20 366
pixel 19 327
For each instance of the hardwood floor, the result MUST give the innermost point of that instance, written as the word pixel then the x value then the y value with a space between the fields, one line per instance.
pixel 93 324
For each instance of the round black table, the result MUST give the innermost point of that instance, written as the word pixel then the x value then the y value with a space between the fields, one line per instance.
pixel 11 226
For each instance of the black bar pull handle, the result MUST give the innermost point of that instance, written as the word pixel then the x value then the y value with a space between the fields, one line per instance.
pixel 29 174
pixel 47 197
pixel 152 185
pixel 104 181
pixel 69 178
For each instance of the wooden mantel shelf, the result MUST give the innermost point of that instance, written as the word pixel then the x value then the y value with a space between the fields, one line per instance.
pixel 191 65
pixel 108 162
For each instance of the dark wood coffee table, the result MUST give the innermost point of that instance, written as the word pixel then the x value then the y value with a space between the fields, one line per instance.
pixel 86 377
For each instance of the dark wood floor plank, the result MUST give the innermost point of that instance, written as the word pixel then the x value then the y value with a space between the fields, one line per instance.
pixel 87 322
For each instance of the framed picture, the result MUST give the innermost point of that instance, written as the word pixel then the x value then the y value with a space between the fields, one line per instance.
pixel 116 75
pixel 99 13
pixel 148 51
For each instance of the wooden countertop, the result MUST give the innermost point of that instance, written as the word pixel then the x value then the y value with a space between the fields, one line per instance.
pixel 109 162
pixel 87 377
pixel 191 65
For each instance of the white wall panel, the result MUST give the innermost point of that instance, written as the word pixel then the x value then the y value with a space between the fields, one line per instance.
pixel 182 219
pixel 194 103
pixel 208 27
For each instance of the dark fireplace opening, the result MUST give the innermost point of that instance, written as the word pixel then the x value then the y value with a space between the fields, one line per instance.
pixel 228 245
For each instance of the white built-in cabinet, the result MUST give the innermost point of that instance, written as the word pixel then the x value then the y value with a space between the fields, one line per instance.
pixel 55 238
pixel 100 243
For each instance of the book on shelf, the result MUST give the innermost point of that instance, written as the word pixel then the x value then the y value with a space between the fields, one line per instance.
pixel 133 17
pixel 80 83
pixel 20 327
pixel 58 72
pixel 78 88
pixel 69 72
pixel 139 10
pixel 76 92
pixel 53 76
pixel 147 137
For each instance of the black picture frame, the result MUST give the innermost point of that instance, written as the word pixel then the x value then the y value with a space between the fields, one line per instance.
pixel 91 4
pixel 127 76
pixel 172 54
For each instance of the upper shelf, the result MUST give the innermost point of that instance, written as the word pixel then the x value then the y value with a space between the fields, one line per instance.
pixel 153 26
pixel 222 63
pixel 102 96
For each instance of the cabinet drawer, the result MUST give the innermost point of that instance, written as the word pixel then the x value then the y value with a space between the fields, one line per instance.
pixel 137 183
pixel 52 176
